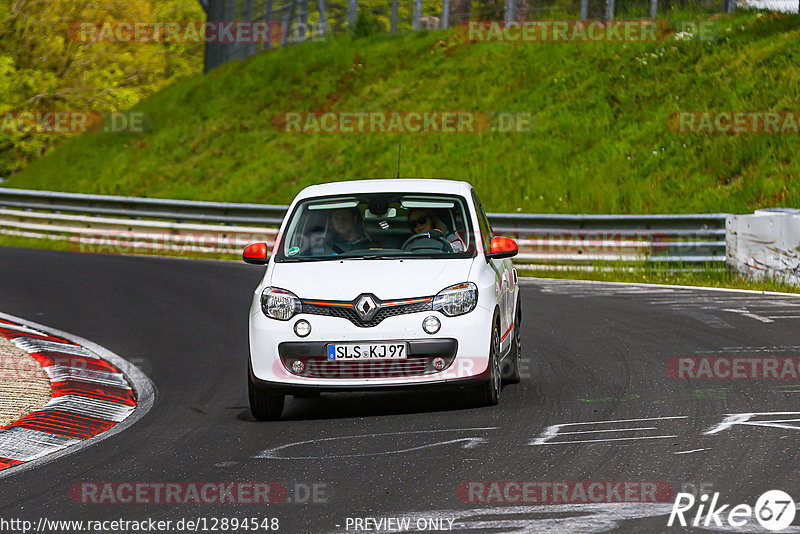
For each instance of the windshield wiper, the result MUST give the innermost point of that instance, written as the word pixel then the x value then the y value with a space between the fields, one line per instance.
pixel 375 257
pixel 301 260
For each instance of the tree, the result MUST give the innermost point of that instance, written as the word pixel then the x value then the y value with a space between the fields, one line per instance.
pixel 43 69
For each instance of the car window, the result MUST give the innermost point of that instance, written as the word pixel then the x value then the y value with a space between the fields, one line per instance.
pixel 377 225
pixel 483 222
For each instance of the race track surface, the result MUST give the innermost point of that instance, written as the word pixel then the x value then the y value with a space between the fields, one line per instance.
pixel 595 354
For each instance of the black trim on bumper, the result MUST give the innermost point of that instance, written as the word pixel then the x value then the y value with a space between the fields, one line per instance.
pixel 438 385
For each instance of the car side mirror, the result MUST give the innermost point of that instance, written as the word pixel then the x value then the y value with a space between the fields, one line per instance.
pixel 501 248
pixel 256 253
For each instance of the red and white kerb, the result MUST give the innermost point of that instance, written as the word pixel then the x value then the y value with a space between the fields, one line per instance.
pixel 90 396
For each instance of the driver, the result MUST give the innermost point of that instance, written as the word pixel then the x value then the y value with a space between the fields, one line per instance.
pixel 424 221
pixel 348 231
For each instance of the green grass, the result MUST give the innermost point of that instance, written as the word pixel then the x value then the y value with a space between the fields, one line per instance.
pixel 599 144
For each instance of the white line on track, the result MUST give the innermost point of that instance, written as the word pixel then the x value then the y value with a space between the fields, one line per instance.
pixel 691 451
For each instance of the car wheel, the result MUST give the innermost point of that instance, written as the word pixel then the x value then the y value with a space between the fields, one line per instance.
pixel 511 373
pixel 264 406
pixel 489 393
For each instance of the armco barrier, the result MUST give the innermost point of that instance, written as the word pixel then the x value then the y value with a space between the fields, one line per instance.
pixel 163 224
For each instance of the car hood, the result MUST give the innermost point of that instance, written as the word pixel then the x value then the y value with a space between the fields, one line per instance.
pixel 386 279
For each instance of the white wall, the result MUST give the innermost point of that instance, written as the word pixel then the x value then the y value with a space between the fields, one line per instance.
pixel 765 244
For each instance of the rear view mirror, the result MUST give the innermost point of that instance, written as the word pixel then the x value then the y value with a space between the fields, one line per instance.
pixel 502 247
pixel 256 254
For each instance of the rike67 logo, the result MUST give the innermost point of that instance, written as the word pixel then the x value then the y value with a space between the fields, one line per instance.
pixel 774 511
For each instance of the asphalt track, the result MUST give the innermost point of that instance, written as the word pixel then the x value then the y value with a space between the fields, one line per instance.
pixel 595 354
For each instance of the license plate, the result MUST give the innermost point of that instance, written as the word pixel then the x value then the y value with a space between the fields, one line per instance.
pixel 351 352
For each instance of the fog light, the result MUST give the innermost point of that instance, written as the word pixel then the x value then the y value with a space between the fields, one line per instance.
pixel 302 328
pixel 438 363
pixel 298 367
pixel 431 324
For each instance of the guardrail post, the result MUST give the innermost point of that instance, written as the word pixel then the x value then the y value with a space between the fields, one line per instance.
pixel 510 8
pixel 653 8
pixel 250 48
pixel 417 14
pixel 288 18
pixel 584 9
pixel 302 22
pixel 610 9
pixel 323 18
pixel 393 27
pixel 445 13
pixel 270 26
pixel 352 14
pixel 731 6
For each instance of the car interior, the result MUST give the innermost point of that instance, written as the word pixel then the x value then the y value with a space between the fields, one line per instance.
pixel 383 221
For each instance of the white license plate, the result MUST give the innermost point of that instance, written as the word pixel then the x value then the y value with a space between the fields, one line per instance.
pixel 351 352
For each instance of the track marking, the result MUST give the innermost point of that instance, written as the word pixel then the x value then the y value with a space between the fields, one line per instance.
pixel 691 451
pixel 744 419
pixel 468 443
pixel 745 313
pixel 554 431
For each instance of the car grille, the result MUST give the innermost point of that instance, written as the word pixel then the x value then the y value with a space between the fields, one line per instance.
pixel 347 310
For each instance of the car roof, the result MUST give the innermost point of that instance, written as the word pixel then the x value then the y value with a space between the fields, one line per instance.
pixel 392 185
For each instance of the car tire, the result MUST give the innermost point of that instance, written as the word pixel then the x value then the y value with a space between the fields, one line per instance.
pixel 489 393
pixel 511 370
pixel 264 406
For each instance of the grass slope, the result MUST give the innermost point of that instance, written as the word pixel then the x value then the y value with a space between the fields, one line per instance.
pixel 600 142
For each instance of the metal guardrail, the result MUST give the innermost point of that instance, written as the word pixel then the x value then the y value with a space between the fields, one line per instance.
pixel 98 223
pixel 181 210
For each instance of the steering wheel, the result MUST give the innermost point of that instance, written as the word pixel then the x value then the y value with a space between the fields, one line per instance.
pixel 433 234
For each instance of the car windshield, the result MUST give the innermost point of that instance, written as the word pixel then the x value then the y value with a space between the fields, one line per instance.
pixel 378 225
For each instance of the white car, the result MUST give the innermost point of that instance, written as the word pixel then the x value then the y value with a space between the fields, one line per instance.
pixel 383 284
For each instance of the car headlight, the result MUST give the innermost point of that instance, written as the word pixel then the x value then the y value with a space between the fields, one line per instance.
pixel 456 300
pixel 279 304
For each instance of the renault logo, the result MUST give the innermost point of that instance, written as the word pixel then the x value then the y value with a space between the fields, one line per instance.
pixel 366 307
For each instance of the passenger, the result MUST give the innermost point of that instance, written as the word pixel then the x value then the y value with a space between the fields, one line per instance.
pixel 425 221
pixel 348 231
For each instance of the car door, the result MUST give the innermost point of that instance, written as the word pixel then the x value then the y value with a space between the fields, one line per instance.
pixel 501 272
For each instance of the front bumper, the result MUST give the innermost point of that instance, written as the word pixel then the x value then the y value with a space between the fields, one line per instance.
pixel 462 341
